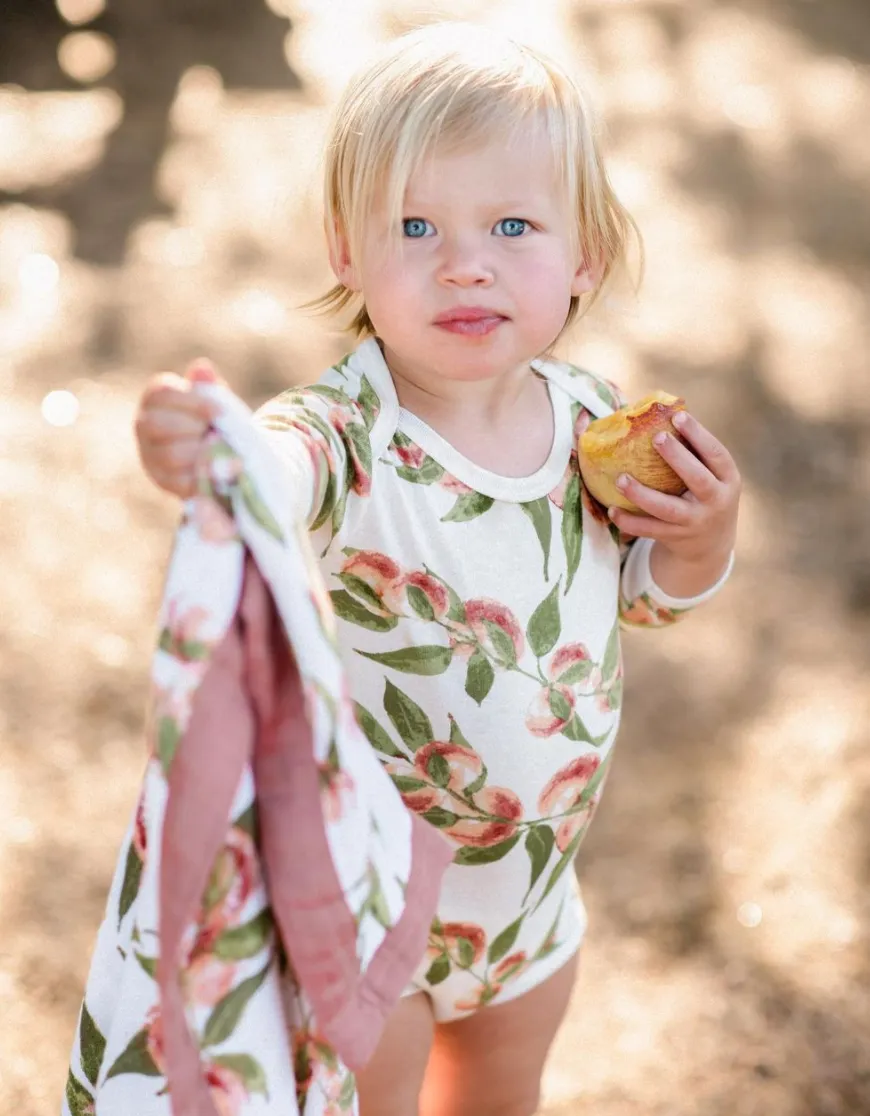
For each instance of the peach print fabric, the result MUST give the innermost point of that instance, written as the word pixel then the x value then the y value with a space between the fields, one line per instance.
pixel 273 894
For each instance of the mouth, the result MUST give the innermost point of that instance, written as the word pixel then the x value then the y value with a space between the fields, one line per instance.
pixel 470 321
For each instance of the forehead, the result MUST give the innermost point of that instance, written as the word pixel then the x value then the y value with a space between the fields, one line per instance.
pixel 518 163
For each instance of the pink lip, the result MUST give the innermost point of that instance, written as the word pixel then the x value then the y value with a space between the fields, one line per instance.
pixel 472 321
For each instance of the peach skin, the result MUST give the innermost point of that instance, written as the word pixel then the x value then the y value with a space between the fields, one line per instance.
pixel 623 443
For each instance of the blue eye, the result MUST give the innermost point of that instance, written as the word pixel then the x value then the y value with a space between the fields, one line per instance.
pixel 415 228
pixel 512 226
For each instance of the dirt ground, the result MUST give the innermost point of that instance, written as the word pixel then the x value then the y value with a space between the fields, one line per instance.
pixel 169 208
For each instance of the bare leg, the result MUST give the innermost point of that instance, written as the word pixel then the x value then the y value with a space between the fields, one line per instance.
pixel 390 1084
pixel 490 1064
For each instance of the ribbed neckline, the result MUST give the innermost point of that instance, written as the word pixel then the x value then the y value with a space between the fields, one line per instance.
pixel 499 487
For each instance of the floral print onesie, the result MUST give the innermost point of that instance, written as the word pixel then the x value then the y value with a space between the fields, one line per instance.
pixel 479 620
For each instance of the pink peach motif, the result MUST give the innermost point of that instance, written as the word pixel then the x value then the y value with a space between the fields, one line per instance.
pixel 435 598
pixel 154 1037
pixel 411 456
pixel 510 967
pixel 337 792
pixel 140 831
pixel 228 1089
pixel 564 789
pixel 567 830
pixel 418 796
pixel 206 978
pixel 234 877
pixel 496 630
pixel 452 484
pixel 492 819
pixel 341 418
pixel 449 939
pixel 482 995
pixel 573 666
pixel 464 764
pixel 642 611
pixel 212 523
pixel 376 571
pixel 551 709
pixel 185 624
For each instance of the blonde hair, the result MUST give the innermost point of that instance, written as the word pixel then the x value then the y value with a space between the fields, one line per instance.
pixel 461 83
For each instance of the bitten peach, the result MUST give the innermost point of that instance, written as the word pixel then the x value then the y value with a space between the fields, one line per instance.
pixel 622 443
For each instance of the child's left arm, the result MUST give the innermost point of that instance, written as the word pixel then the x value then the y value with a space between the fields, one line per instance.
pixel 691 536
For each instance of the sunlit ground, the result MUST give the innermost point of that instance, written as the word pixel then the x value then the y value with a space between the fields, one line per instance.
pixel 727 875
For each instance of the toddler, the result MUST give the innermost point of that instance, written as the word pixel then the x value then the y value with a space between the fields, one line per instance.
pixel 479 589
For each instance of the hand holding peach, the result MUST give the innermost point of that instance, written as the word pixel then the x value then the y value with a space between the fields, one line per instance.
pixel 664 476
pixel 623 443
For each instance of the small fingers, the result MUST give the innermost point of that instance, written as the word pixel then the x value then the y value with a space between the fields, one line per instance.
pixel 669 509
pixel 711 451
pixel 160 426
pixel 698 478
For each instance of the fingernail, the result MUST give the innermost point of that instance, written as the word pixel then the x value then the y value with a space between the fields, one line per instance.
pixel 680 418
pixel 611 512
pixel 660 439
pixel 622 480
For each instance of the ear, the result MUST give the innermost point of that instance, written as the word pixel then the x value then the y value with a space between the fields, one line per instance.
pixel 339 261
pixel 586 278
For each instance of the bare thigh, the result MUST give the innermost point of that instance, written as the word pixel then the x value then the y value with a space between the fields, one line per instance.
pixel 491 1063
pixel 390 1084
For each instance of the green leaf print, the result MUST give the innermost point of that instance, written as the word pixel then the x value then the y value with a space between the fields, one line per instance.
pixel 439 970
pixel 420 603
pixel 248 1068
pixel 480 677
pixel 149 964
pixel 226 1015
pixel 559 705
pixel 327 503
pixel 361 590
pixel 257 507
pixel 439 817
pixel 135 1059
pixel 576 730
pixel 245 941
pixel 438 770
pixel 350 609
pixel 428 660
pixel 572 528
pixel 348 1092
pixel 92 1045
pixel 502 644
pixel 410 722
pixel 579 672
pixel 465 949
pixel 408 783
pixel 562 863
pixel 357 434
pixel 545 625
pixel 539 846
pixel 130 886
pixel 468 855
pixel 541 516
pixel 80 1101
pixel 610 662
pixel 502 944
pixel 369 403
pixel 595 782
pixel 168 738
pixel 377 736
pixel 326 391
pixel 247 823
pixel 468 506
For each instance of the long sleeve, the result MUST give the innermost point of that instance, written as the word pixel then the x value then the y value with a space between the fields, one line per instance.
pixel 321 437
pixel 642 604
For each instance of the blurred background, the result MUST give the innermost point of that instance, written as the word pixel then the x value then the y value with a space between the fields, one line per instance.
pixel 159 199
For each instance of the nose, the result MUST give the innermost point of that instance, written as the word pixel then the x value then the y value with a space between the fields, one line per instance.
pixel 464 264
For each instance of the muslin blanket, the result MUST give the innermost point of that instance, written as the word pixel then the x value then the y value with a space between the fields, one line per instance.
pixel 273 895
